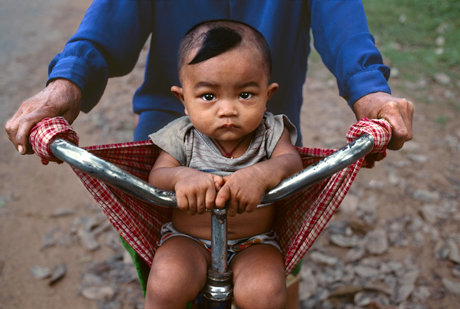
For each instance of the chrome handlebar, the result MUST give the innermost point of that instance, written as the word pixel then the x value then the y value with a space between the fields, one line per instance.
pixel 111 174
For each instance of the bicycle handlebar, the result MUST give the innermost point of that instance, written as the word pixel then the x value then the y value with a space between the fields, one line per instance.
pixel 111 174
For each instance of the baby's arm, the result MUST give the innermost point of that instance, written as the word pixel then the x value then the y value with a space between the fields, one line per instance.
pixel 195 191
pixel 244 189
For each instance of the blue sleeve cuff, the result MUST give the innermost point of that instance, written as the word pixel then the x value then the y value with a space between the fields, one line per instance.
pixel 71 68
pixel 364 83
pixel 77 70
pixel 360 69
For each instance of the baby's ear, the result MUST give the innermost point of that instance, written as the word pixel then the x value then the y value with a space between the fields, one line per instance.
pixel 178 92
pixel 271 90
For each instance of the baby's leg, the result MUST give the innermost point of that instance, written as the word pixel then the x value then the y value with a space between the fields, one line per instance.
pixel 178 273
pixel 258 278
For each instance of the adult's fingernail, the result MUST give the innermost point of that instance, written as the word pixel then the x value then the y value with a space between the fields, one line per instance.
pixel 21 149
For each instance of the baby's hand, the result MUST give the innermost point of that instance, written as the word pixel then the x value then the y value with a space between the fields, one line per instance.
pixel 242 190
pixel 196 191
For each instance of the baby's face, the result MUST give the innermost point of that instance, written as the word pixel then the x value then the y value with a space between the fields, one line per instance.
pixel 225 96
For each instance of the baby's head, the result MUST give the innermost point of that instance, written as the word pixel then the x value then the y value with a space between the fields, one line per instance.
pixel 212 38
pixel 224 69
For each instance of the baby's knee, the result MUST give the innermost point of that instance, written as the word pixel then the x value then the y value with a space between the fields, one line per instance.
pixel 261 293
pixel 160 287
pixel 169 284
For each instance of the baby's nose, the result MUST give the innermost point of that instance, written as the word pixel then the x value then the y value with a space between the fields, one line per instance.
pixel 227 108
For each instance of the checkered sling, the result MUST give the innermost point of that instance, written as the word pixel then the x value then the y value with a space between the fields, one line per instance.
pixel 300 218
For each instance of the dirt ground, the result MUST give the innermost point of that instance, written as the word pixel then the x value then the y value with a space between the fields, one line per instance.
pixel 31 192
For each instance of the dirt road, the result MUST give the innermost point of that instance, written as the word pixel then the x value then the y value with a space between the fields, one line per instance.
pixel 405 187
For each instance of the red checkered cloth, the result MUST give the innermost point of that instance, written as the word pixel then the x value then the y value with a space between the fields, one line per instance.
pixel 300 218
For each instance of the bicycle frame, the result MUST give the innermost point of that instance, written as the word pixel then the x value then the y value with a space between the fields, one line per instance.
pixel 218 289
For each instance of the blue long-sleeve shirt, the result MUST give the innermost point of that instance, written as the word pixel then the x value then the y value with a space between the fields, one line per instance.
pixel 113 32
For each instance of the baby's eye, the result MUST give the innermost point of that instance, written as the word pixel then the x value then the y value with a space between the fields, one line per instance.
pixel 208 97
pixel 245 95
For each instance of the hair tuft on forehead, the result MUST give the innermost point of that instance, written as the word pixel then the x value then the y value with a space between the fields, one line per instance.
pixel 215 37
pixel 218 40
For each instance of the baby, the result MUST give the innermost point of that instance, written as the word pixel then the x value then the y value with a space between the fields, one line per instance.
pixel 227 151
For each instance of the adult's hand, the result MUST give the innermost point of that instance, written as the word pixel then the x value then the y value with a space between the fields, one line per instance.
pixel 60 98
pixel 398 112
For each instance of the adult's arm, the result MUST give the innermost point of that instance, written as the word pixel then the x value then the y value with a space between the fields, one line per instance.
pixel 107 44
pixel 342 38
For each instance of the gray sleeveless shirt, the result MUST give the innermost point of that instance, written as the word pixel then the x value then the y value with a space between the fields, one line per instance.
pixel 196 150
